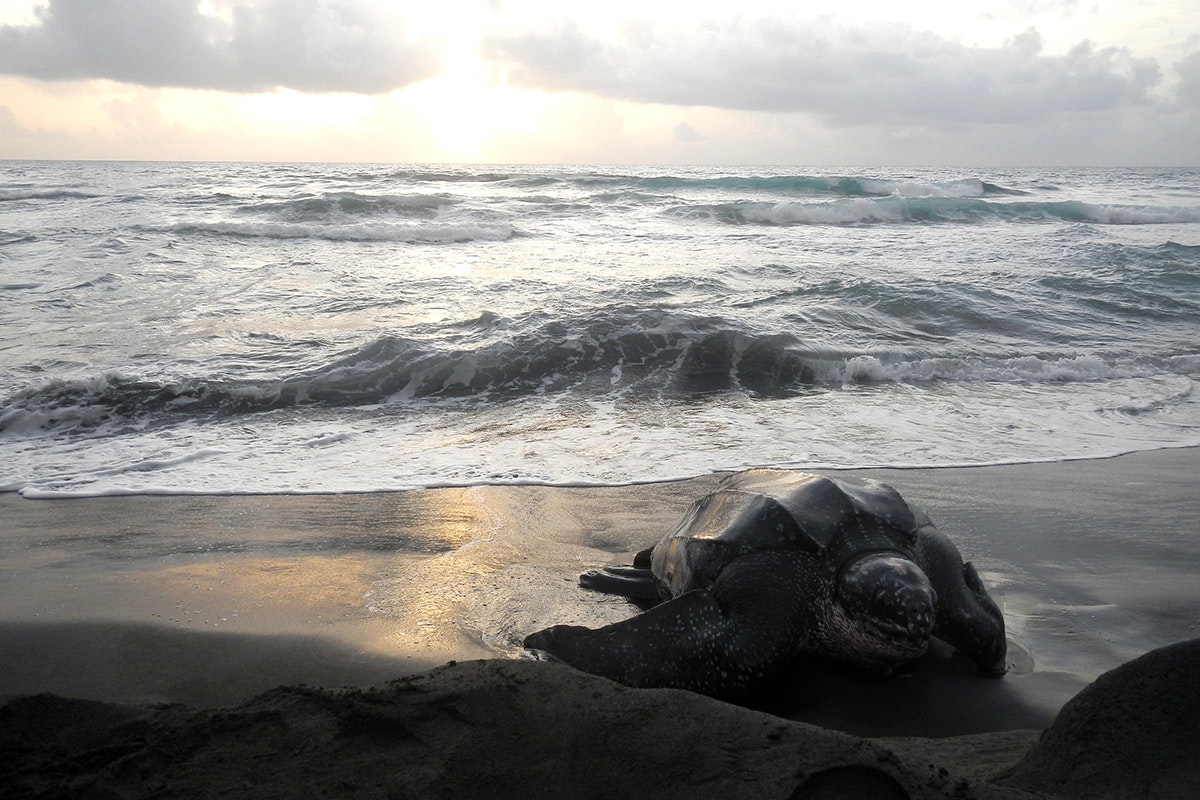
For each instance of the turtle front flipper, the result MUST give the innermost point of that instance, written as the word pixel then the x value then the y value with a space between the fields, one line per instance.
pixel 636 583
pixel 967 617
pixel 722 642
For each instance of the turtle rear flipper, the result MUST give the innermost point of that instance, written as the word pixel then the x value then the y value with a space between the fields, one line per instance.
pixel 635 583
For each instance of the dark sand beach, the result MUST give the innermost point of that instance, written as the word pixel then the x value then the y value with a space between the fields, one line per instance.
pixel 143 641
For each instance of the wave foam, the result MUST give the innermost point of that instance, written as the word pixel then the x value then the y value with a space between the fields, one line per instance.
pixel 1020 369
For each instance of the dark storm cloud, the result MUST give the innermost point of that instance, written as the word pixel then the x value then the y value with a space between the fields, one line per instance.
pixel 307 45
pixel 846 74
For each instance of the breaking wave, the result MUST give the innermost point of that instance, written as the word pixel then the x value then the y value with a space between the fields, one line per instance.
pixel 629 355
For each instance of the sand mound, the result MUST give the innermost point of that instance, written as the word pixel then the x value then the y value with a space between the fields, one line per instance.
pixel 1135 732
pixel 494 728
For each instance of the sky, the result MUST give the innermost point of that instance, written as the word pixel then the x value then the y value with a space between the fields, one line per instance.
pixel 821 82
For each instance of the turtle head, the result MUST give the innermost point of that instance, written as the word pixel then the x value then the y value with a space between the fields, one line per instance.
pixel 889 606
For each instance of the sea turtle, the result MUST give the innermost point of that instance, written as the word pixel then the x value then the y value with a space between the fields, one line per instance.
pixel 777 564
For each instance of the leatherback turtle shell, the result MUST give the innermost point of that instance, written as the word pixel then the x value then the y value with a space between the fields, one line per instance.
pixel 775 509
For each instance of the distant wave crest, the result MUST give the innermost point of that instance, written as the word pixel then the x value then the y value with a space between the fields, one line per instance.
pixel 895 209
pixel 834 185
pixel 32 193
pixel 404 232
pixel 342 205
pixel 350 216
pixel 847 186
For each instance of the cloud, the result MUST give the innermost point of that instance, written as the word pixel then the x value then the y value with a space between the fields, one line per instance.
pixel 1030 8
pixel 306 45
pixel 1189 81
pixel 846 74
pixel 8 121
pixel 683 132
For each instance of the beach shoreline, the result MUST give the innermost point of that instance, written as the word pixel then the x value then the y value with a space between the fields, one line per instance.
pixel 207 602
pixel 1085 551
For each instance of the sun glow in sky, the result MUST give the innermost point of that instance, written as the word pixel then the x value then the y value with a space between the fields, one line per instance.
pixel 847 82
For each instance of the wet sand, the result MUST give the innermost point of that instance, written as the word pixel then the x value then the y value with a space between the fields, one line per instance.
pixel 208 601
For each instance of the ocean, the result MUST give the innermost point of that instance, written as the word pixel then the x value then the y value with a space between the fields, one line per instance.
pixel 213 328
